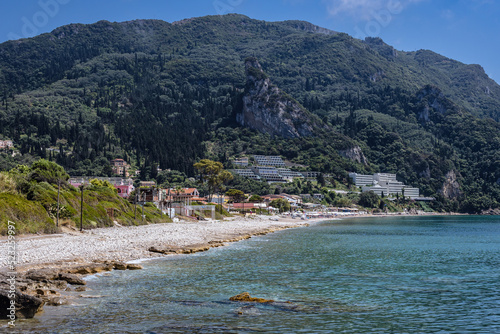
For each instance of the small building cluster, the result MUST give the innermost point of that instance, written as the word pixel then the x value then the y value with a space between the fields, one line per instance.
pixel 124 186
pixel 384 184
pixel 6 144
pixel 269 168
pixel 120 167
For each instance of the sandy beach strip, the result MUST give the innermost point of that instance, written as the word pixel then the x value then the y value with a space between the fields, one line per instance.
pixel 133 242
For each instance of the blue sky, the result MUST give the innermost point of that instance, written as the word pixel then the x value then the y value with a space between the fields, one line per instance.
pixel 465 30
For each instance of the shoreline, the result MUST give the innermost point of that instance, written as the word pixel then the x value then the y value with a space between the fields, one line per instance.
pixel 139 243
pixel 51 265
pixel 132 243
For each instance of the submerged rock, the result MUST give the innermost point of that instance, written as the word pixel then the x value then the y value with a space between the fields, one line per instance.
pixel 245 297
pixel 57 301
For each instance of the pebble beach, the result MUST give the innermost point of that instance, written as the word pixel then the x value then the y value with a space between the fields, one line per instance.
pixel 129 243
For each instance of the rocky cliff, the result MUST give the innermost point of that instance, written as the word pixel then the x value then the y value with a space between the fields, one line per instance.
pixel 269 110
pixel 355 154
pixel 432 104
pixel 451 187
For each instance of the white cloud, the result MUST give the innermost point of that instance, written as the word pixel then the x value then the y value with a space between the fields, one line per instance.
pixel 364 9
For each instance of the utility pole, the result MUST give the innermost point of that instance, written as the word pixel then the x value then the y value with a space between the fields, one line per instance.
pixel 142 207
pixel 169 203
pixel 135 205
pixel 81 209
pixel 58 192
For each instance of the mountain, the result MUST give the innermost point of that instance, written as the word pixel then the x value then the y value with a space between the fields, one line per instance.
pixel 167 94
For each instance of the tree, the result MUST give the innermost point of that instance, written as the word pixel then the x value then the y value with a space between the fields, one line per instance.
pixel 48 171
pixel 212 174
pixel 255 199
pixel 102 183
pixel 281 204
pixel 369 199
pixel 236 195
pixel 178 190
pixel 321 180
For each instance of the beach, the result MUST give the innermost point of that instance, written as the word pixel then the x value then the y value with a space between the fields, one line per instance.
pixel 128 243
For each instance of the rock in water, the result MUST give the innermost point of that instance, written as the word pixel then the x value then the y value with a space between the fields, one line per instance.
pixel 134 266
pixel 245 297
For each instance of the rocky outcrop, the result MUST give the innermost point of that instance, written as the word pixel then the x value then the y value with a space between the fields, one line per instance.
pixel 433 104
pixel 269 110
pixel 451 187
pixel 134 266
pixel 92 268
pixel 25 306
pixel 383 49
pixel 72 279
pixel 38 287
pixel 184 250
pixel 355 154
pixel 43 274
pixel 491 212
pixel 245 297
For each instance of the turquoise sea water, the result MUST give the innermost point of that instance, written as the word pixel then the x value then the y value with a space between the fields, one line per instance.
pixel 373 275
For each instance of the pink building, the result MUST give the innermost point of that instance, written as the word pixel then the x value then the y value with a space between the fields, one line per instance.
pixel 123 186
pixel 124 190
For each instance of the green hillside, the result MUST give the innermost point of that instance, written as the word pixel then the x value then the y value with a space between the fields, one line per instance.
pixel 166 94
pixel 28 197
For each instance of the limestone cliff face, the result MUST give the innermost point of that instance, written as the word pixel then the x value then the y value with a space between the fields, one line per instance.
pixel 355 154
pixel 451 187
pixel 433 104
pixel 269 110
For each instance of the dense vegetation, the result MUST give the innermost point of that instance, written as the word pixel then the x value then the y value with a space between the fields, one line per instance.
pixel 28 197
pixel 165 95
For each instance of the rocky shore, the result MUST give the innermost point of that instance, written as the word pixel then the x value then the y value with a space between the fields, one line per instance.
pixel 50 265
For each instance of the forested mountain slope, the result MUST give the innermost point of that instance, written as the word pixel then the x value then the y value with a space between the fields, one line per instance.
pixel 167 94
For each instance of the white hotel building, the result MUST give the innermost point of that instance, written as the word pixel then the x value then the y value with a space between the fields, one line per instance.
pixel 384 184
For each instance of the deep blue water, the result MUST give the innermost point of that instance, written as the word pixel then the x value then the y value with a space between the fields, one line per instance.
pixel 372 275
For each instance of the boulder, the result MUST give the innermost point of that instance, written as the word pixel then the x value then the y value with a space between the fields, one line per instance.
pixel 57 301
pixel 72 279
pixel 134 266
pixel 26 306
pixel 120 266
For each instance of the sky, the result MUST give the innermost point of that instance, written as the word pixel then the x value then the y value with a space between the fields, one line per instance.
pixel 464 30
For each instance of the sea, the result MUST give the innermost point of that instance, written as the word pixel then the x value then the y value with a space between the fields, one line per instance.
pixel 428 274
